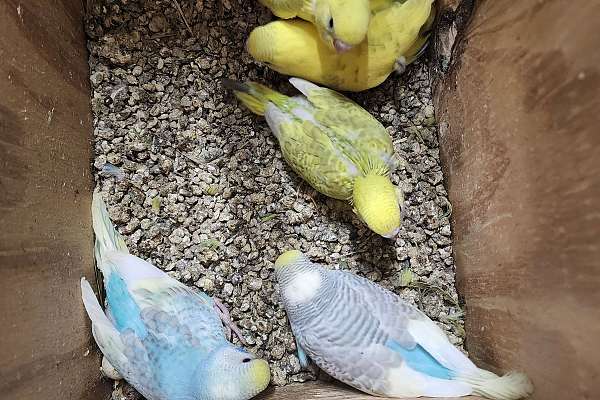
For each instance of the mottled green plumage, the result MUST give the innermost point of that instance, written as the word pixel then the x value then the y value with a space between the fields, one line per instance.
pixel 330 141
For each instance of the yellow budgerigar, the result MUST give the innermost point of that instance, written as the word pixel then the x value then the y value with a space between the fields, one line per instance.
pixel 335 145
pixel 397 34
pixel 341 24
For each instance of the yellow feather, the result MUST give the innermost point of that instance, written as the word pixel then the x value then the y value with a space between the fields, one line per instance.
pixel 254 95
pixel 335 20
pixel 284 8
pixel 376 201
pixel 287 258
pixel 294 48
pixel 260 374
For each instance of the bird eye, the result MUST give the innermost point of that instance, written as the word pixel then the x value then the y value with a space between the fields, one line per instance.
pixel 245 360
pixel 330 23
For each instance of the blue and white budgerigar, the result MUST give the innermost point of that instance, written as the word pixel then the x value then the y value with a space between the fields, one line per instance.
pixel 369 338
pixel 163 337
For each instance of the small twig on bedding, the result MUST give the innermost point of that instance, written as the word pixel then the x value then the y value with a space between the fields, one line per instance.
pixel 178 7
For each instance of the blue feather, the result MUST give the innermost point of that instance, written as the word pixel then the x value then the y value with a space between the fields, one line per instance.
pixel 420 360
pixel 302 357
pixel 173 370
pixel 124 310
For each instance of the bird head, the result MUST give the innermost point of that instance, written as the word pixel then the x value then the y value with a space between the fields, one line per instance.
pixel 236 374
pixel 299 280
pixel 342 24
pixel 378 202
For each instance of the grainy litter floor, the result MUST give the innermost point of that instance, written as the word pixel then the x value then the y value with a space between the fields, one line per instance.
pixel 206 194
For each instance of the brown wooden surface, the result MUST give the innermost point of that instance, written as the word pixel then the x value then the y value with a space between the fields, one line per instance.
pixel 45 183
pixel 326 391
pixel 520 119
pixel 451 21
pixel 520 137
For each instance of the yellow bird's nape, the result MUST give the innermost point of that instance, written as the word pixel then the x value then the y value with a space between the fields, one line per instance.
pixel 289 257
pixel 377 203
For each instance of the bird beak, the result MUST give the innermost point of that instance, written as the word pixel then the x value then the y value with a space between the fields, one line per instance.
pixel 341 47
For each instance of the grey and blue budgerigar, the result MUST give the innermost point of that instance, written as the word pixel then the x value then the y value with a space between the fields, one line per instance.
pixel 368 337
pixel 163 337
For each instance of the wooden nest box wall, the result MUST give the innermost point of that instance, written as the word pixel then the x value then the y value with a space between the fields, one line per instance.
pixel 518 104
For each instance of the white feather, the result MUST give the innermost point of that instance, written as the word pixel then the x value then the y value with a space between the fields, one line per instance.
pixel 111 252
pixel 406 382
pixel 303 287
pixel 108 240
pixel 92 306
pixel 304 86
pixel 109 371
pixel 106 335
pixel 275 117
pixel 305 115
pixel 512 386
pixel 133 269
pixel 435 342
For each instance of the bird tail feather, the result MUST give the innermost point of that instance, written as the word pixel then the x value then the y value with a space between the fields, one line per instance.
pixel 106 335
pixel 254 95
pixel 92 306
pixel 107 237
pixel 511 386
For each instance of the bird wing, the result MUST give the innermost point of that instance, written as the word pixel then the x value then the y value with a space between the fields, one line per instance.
pixel 122 349
pixel 373 344
pixel 191 313
pixel 347 342
pixel 309 150
pixel 407 327
pixel 395 29
pixel 355 131
pixel 137 285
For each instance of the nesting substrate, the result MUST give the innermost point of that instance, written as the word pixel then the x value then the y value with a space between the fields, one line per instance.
pixel 200 188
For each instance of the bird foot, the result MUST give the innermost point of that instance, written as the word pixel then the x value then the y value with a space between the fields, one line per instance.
pixel 400 65
pixel 229 325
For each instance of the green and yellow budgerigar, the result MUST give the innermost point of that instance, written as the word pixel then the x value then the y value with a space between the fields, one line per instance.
pixel 335 145
pixel 341 24
pixel 396 36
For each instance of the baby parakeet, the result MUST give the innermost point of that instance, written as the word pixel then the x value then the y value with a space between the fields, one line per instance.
pixel 369 338
pixel 163 337
pixel 341 24
pixel 335 145
pixel 396 36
